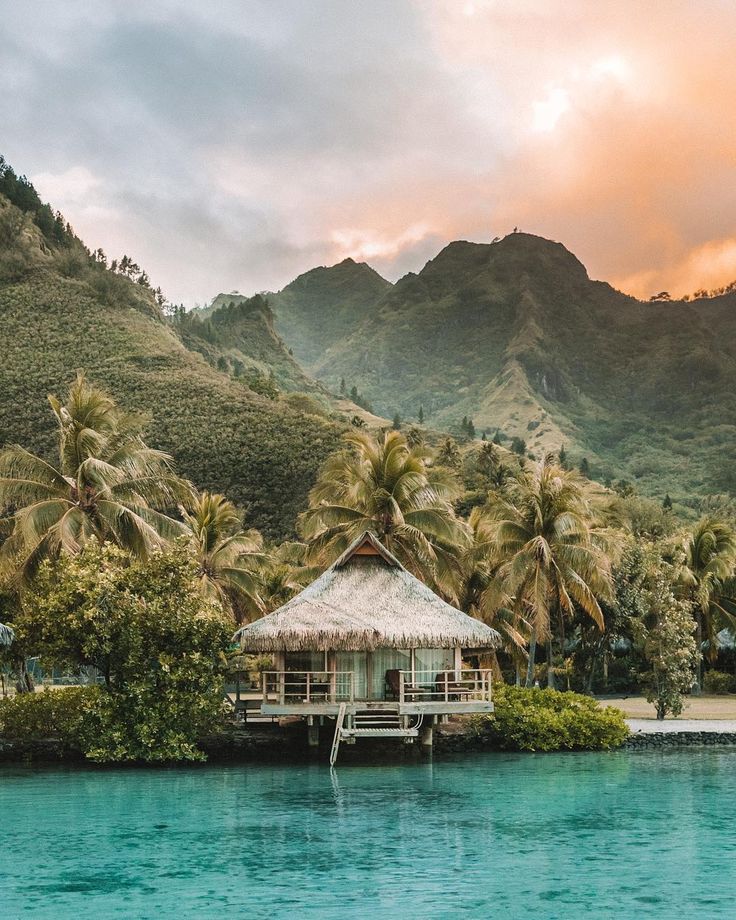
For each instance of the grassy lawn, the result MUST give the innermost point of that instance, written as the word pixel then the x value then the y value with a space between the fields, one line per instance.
pixel 696 707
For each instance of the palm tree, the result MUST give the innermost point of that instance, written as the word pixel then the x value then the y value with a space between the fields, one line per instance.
pixel 107 484
pixel 230 560
pixel 552 555
pixel 287 574
pixel 383 485
pixel 706 577
pixel 482 593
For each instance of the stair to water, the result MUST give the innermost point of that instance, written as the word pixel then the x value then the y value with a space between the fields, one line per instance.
pixel 370 723
pixel 377 723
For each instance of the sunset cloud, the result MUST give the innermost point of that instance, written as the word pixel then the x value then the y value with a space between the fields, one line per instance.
pixel 232 145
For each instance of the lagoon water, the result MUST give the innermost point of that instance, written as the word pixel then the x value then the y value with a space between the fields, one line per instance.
pixel 625 835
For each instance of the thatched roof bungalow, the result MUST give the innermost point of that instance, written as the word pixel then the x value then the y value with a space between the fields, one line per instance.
pixel 366 600
pixel 369 635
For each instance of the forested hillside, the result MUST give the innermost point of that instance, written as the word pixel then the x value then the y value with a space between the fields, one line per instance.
pixel 324 306
pixel 64 309
pixel 238 335
pixel 515 336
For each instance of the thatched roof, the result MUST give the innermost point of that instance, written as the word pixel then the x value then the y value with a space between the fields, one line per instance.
pixel 6 635
pixel 365 600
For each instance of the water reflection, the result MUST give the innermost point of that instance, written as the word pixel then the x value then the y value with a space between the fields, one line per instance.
pixel 638 834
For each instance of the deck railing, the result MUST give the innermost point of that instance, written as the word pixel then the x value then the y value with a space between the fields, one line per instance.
pixel 308 686
pixel 300 687
pixel 444 686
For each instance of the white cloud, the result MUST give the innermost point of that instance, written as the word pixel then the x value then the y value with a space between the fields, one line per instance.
pixel 548 111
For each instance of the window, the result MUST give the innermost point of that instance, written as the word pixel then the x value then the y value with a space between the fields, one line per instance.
pixel 355 662
pixel 388 659
pixel 428 662
pixel 305 661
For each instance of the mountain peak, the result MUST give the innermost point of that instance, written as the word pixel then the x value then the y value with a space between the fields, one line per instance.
pixel 540 251
pixel 346 272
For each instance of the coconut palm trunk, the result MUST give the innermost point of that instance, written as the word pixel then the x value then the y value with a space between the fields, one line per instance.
pixel 550 669
pixel 531 662
pixel 25 683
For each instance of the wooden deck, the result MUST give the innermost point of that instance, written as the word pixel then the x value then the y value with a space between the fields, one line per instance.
pixel 323 693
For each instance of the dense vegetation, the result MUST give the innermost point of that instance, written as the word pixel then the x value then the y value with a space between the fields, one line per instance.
pixel 547 720
pixel 64 310
pixel 516 337
pixel 142 625
pixel 239 338
pixel 323 307
pixel 122 583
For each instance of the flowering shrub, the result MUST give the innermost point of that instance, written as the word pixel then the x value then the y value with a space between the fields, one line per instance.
pixel 719 682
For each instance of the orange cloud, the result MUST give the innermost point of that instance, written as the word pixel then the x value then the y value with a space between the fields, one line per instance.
pixel 620 130
pixel 308 137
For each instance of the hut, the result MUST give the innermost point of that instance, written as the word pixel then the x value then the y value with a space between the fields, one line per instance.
pixel 6 635
pixel 371 646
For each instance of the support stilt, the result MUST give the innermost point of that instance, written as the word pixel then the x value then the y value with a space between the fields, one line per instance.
pixel 426 738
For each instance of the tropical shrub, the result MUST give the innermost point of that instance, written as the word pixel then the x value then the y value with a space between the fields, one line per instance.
pixel 145 626
pixel 719 682
pixel 663 633
pixel 549 720
pixel 62 714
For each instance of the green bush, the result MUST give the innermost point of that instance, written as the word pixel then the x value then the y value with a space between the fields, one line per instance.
pixel 145 627
pixel 719 682
pixel 64 715
pixel 548 720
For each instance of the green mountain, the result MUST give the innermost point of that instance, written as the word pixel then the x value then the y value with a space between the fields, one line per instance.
pixel 515 335
pixel 237 334
pixel 62 310
pixel 324 306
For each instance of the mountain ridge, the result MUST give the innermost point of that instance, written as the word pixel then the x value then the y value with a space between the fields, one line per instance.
pixel 515 335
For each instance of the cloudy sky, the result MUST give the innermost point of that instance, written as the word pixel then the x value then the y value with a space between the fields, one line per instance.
pixel 232 144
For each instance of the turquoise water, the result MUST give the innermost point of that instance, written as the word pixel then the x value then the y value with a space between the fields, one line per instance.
pixel 624 835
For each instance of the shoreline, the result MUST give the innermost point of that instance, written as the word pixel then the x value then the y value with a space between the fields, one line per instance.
pixel 274 744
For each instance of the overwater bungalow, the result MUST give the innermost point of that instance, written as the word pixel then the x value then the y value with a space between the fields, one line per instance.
pixel 369 645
